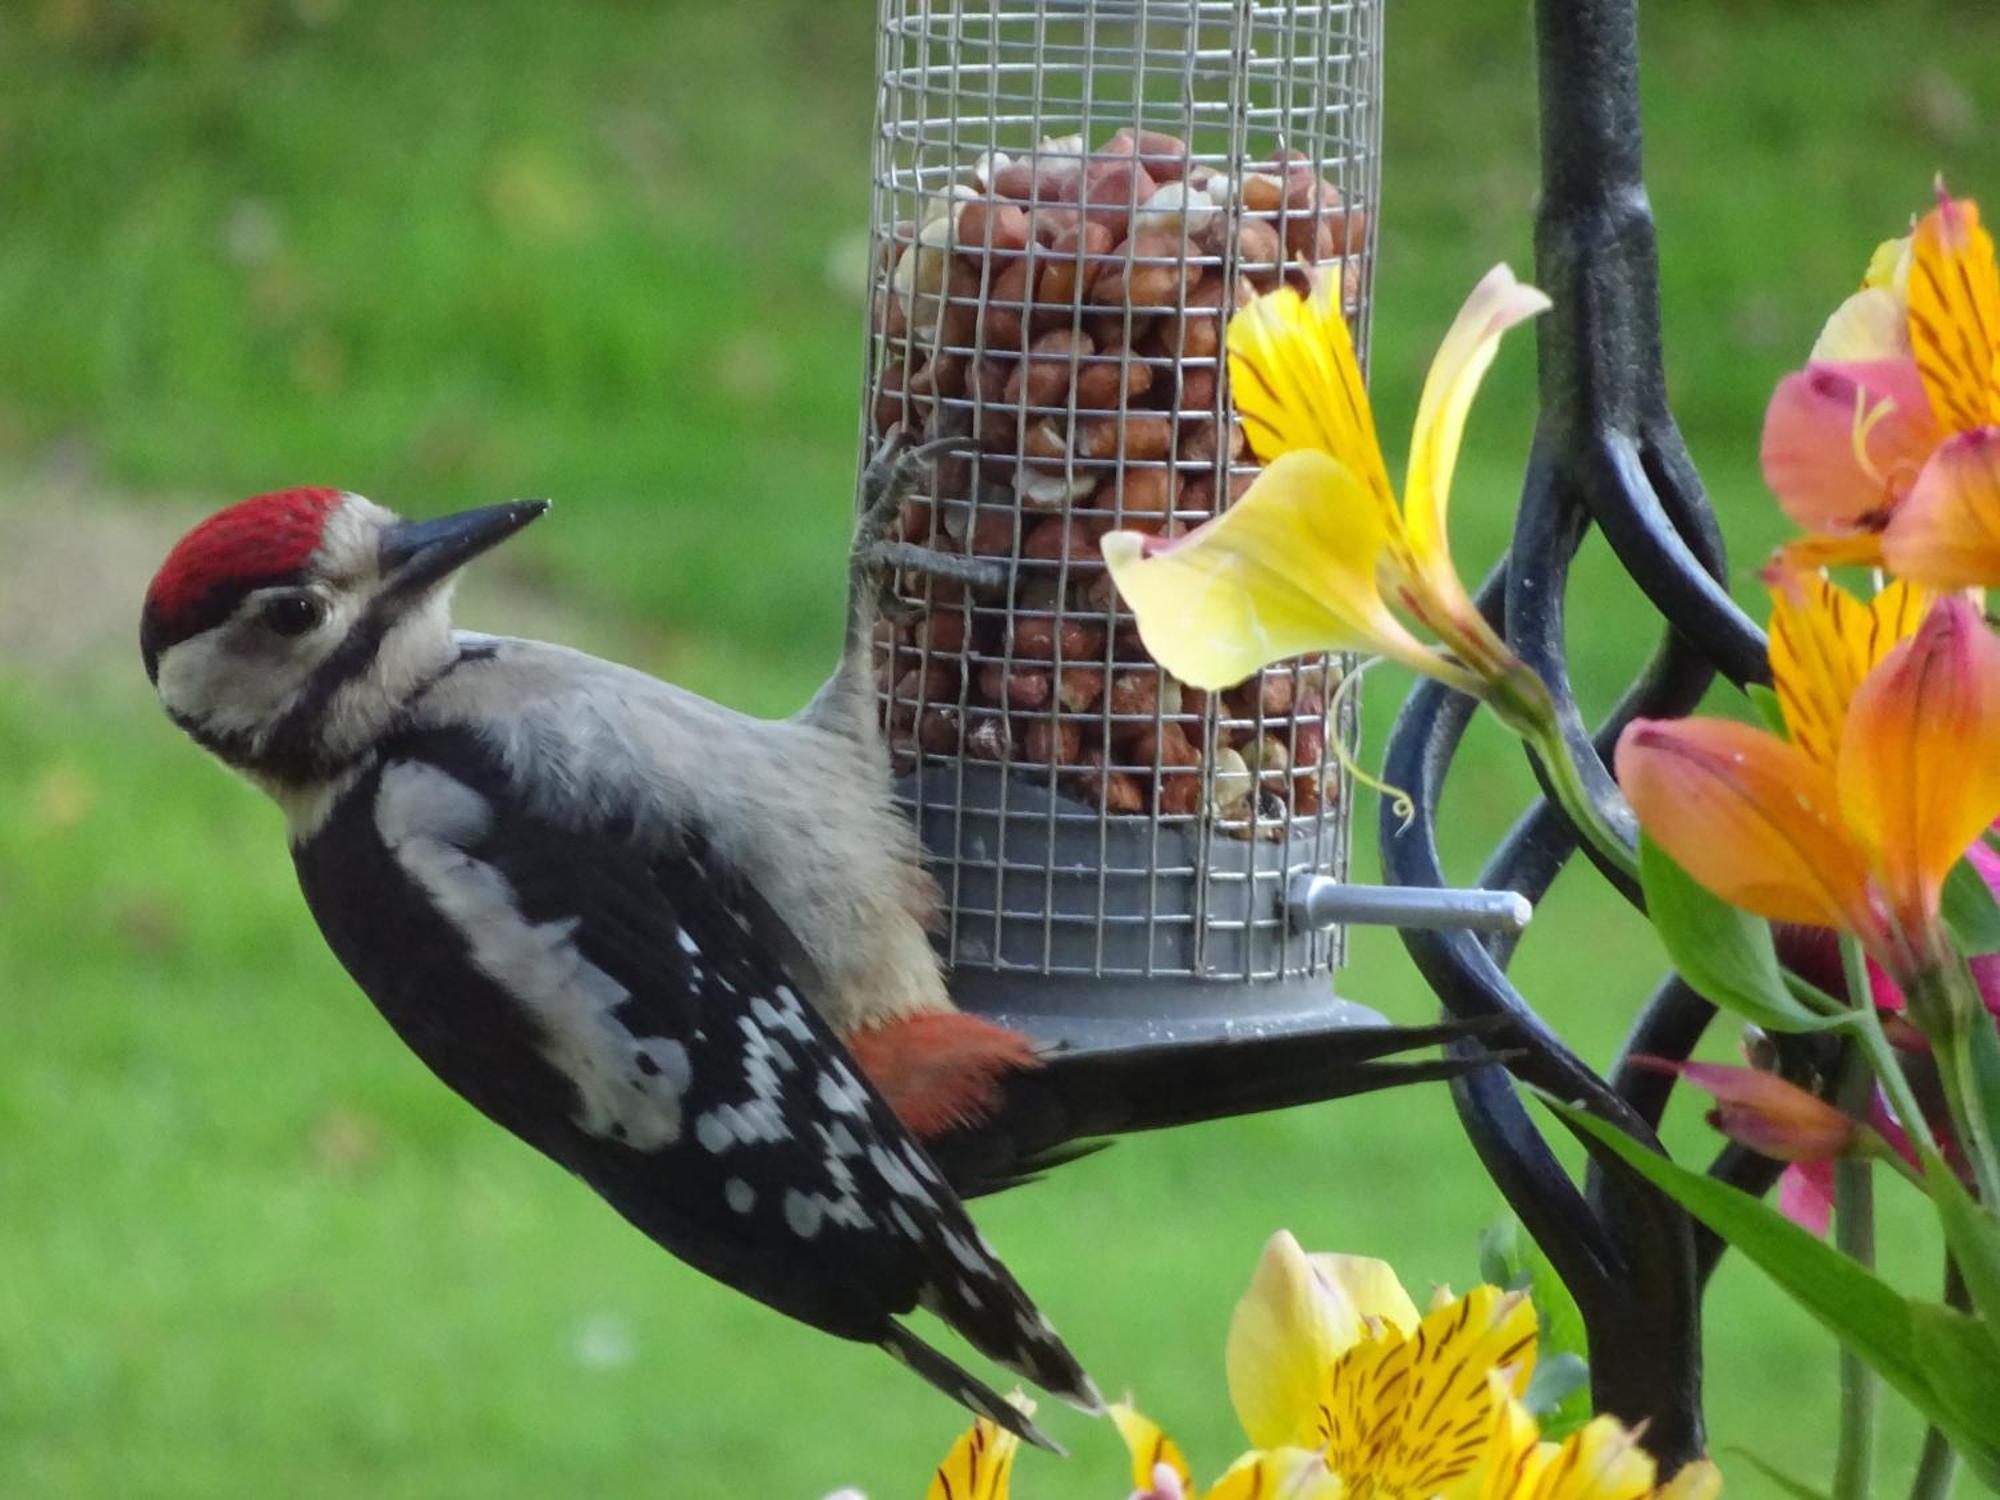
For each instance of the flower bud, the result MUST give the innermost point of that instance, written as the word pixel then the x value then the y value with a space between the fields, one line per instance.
pixel 1770 1116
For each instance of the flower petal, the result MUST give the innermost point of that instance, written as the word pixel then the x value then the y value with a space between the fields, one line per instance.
pixel 1300 1314
pixel 1751 817
pixel 980 1464
pixel 1600 1461
pixel 1278 1474
pixel 1497 303
pixel 1824 642
pixel 1149 1446
pixel 1296 384
pixel 1947 533
pixel 1805 1195
pixel 1955 314
pixel 1764 1112
pixel 1415 1415
pixel 1843 443
pixel 1290 568
pixel 1919 769
pixel 1872 324
pixel 1700 1480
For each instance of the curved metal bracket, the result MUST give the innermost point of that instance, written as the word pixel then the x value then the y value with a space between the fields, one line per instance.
pixel 1606 453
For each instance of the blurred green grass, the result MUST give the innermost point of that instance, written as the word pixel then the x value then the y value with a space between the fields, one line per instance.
pixel 446 254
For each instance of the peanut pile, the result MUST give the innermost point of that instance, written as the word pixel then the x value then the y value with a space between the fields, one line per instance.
pixel 1064 311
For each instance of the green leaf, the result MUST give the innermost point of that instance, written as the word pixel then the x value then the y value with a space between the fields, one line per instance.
pixel 1510 1258
pixel 1970 909
pixel 1501 1261
pixel 1782 1480
pixel 1971 1232
pixel 1556 1383
pixel 1858 1307
pixel 1563 1337
pixel 1725 953
pixel 1963 1358
pixel 1768 708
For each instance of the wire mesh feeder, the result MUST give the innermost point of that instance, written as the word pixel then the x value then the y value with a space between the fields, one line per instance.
pixel 1069 202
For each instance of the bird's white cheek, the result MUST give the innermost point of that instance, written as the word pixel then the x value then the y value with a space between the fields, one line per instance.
pixel 204 681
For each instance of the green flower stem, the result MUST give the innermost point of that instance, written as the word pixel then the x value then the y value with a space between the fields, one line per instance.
pixel 1937 1468
pixel 1548 746
pixel 1937 1465
pixel 1854 1234
pixel 1866 1029
pixel 1947 1001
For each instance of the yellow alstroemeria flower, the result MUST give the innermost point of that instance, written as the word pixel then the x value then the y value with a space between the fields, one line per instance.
pixel 1892 772
pixel 1329 1359
pixel 1319 555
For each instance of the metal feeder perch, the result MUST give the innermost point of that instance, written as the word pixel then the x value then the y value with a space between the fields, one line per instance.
pixel 1069 201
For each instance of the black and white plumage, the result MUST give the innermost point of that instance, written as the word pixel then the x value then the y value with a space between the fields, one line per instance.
pixel 607 997
pixel 552 877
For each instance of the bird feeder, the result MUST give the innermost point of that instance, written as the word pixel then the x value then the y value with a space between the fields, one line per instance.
pixel 1069 203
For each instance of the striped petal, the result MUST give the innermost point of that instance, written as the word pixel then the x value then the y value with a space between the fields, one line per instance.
pixel 1497 303
pixel 1843 443
pixel 1415 1416
pixel 1290 568
pixel 1824 642
pixel 1150 1448
pixel 980 1464
pixel 1955 315
pixel 1279 1474
pixel 1947 534
pixel 1919 771
pixel 1296 384
pixel 1300 1314
pixel 1748 815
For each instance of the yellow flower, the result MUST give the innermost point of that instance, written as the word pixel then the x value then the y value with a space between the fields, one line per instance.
pixel 1347 1392
pixel 1600 1461
pixel 980 1464
pixel 1320 555
pixel 1328 1357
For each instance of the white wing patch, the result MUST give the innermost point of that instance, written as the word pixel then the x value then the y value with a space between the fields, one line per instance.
pixel 629 1088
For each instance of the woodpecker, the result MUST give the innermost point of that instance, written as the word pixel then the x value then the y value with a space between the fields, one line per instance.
pixel 683 952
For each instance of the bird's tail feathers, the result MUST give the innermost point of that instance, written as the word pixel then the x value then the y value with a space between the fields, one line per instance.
pixel 963 1387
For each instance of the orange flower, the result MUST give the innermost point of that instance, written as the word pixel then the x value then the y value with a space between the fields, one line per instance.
pixel 1861 841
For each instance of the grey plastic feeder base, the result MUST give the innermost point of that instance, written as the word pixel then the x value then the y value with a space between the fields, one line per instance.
pixel 1102 932
pixel 1115 1014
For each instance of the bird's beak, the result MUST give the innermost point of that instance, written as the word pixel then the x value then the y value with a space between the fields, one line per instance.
pixel 416 554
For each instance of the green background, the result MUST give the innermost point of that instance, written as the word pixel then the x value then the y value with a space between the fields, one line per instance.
pixel 449 253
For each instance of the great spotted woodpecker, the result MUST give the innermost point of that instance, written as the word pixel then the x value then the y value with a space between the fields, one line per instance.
pixel 681 951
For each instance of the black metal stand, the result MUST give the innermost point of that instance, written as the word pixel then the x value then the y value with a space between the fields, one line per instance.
pixel 1606 453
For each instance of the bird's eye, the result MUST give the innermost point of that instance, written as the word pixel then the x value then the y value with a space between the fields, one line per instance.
pixel 292 614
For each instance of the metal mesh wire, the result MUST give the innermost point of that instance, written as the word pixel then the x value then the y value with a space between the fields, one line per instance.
pixel 1068 201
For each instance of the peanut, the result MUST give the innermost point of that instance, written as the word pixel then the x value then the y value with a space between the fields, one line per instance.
pixel 1071 259
pixel 1043 377
pixel 1006 307
pixel 1146 285
pixel 988 739
pixel 1052 741
pixel 1022 687
pixel 1114 791
pixel 1108 382
pixel 1007 223
pixel 1036 639
pixel 1079 688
